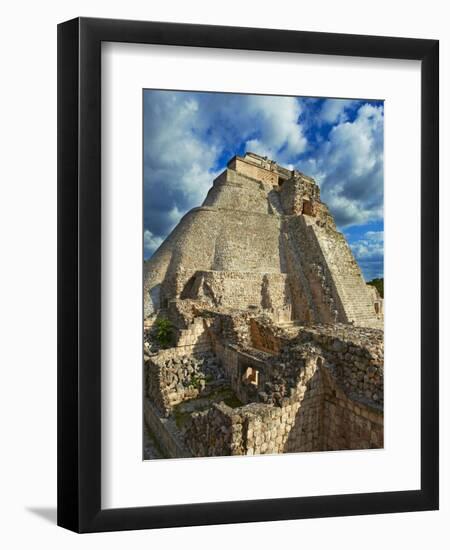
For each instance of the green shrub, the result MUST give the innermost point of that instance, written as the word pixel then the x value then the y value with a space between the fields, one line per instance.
pixel 195 382
pixel 379 285
pixel 164 332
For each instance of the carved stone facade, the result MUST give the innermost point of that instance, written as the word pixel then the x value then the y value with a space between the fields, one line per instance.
pixel 277 342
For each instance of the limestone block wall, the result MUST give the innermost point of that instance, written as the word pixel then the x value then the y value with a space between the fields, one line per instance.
pixel 328 277
pixel 357 354
pixel 351 425
pixel 173 377
pixel 295 191
pixel 167 369
pixel 346 275
pixel 241 290
pixel 318 417
pixel 304 307
pixel 317 283
pixel 215 432
pixel 192 249
pixel 181 312
pixel 229 328
pixel 233 191
pixel 247 391
pixel 358 365
pixel 290 198
pixel 248 243
pixel 228 356
pixel 305 416
pixel 195 338
pixel 349 421
pixel 265 429
pixel 250 430
pixel 165 431
pixel 330 419
pixel 253 171
pixel 294 426
pixel 187 247
pixel 156 378
pixel 264 338
pixel 259 429
pixel 209 239
pixel 234 360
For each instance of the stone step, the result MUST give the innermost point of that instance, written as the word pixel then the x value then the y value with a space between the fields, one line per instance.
pixel 346 276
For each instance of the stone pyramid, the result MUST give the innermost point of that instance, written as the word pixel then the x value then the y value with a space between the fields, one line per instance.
pixel 262 240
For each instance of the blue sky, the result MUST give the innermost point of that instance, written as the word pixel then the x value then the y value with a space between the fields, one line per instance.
pixel 190 136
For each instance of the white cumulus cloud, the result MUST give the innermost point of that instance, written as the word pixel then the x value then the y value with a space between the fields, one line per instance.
pixel 151 243
pixel 335 110
pixel 348 165
pixel 369 253
pixel 280 136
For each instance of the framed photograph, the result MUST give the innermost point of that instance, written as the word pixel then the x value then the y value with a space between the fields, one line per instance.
pixel 247 275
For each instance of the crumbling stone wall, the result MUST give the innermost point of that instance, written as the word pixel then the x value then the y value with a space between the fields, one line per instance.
pixel 265 337
pixel 319 387
pixel 295 425
pixel 223 431
pixel 195 338
pixel 297 191
pixel 310 394
pixel 165 432
pixel 315 418
pixel 173 378
pixel 214 432
pixel 229 326
pixel 259 279
pixel 182 312
pixel 241 290
pixel 356 355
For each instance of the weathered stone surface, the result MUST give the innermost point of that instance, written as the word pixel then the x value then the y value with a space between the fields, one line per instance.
pixel 277 342
pixel 262 239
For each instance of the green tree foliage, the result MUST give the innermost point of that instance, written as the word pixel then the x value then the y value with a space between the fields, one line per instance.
pixel 379 285
pixel 164 331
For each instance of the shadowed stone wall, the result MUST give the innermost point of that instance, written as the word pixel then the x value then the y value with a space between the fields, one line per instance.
pixel 317 417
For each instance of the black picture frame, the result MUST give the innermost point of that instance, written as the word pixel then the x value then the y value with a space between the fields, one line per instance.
pixel 79 274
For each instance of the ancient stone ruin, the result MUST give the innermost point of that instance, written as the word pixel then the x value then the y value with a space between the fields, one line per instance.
pixel 275 342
